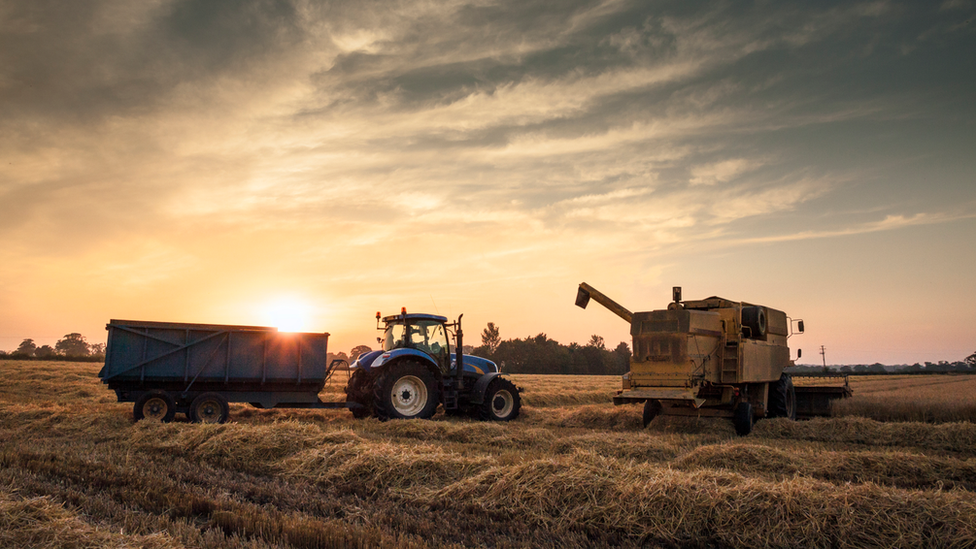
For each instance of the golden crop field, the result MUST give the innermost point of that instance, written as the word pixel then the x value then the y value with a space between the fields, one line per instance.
pixel 573 471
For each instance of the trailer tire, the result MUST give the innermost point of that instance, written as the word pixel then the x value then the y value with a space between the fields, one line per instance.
pixel 359 390
pixel 209 408
pixel 502 401
pixel 405 390
pixel 755 319
pixel 154 405
pixel 743 419
pixel 651 409
pixel 782 398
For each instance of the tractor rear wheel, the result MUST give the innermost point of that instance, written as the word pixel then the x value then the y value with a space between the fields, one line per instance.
pixel 743 419
pixel 405 390
pixel 782 398
pixel 502 401
pixel 651 409
pixel 154 406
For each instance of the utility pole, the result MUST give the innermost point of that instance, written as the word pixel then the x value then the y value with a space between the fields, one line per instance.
pixel 823 353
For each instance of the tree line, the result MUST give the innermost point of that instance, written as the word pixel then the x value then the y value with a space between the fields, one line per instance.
pixel 966 366
pixel 72 346
pixel 542 355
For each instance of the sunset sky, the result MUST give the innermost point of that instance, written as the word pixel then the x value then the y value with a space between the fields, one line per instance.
pixel 252 160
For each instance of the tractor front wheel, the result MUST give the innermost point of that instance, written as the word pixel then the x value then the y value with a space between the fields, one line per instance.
pixel 405 390
pixel 502 401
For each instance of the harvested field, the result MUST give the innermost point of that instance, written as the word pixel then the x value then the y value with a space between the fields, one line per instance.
pixel 574 471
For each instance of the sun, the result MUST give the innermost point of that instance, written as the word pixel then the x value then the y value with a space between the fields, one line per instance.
pixel 288 314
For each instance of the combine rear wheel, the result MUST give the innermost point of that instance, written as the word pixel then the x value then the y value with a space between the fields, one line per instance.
pixel 743 419
pixel 154 406
pixel 405 390
pixel 651 409
pixel 502 401
pixel 209 408
pixel 782 398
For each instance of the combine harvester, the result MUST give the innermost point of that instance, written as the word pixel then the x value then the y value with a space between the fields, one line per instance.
pixel 714 358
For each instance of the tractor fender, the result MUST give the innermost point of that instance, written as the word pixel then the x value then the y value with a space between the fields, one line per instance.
pixel 365 360
pixel 481 387
pixel 386 357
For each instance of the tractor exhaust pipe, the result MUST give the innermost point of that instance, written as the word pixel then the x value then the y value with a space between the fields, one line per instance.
pixel 459 353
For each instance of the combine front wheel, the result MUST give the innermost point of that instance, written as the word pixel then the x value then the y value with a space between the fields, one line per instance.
pixel 651 409
pixel 743 419
pixel 782 398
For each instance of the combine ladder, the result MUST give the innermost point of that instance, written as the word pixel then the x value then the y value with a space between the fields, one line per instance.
pixel 730 362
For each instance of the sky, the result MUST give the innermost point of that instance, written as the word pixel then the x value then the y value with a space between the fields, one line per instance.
pixel 306 164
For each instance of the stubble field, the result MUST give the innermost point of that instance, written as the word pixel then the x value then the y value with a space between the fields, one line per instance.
pixel 573 471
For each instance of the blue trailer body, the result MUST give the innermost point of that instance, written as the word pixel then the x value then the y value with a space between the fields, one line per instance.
pixel 183 361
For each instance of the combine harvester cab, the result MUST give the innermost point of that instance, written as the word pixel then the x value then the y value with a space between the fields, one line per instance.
pixel 713 358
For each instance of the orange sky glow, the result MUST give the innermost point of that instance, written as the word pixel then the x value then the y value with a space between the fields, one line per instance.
pixel 294 164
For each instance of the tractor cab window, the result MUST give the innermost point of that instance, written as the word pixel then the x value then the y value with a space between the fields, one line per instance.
pixel 429 336
pixel 394 337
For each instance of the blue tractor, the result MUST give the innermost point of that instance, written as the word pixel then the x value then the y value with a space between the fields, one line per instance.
pixel 416 371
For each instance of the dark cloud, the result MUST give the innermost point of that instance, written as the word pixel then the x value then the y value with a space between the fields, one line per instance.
pixel 79 62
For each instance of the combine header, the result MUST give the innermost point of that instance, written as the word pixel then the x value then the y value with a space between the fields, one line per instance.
pixel 713 358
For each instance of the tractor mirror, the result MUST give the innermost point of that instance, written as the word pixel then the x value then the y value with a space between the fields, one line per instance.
pixel 582 298
pixel 799 326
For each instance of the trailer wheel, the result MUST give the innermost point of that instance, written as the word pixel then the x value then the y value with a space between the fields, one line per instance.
pixel 405 390
pixel 358 390
pixel 651 409
pixel 154 406
pixel 743 419
pixel 209 408
pixel 502 401
pixel 782 398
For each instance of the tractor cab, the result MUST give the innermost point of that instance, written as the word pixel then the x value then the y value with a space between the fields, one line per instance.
pixel 422 332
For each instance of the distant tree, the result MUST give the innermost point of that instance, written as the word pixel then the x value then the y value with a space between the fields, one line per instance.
pixel 358 350
pixel 45 351
pixel 622 354
pixel 597 341
pixel 73 344
pixel 27 348
pixel 97 349
pixel 971 360
pixel 491 337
